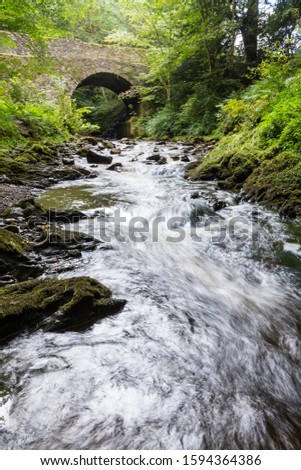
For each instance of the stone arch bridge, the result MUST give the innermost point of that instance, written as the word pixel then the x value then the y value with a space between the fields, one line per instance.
pixel 84 64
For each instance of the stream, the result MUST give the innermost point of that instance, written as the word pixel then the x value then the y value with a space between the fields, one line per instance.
pixel 207 351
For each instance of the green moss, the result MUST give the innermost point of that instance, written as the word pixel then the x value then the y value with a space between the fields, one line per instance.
pixel 75 302
pixel 30 207
pixel 49 295
pixel 44 151
pixel 12 247
pixel 90 140
pixel 9 165
pixel 276 183
pixel 229 163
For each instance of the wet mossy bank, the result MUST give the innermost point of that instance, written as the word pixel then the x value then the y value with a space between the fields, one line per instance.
pixel 34 241
pixel 268 177
pixel 260 152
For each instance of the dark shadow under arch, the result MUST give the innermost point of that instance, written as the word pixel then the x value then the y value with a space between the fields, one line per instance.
pixel 113 82
pixel 117 85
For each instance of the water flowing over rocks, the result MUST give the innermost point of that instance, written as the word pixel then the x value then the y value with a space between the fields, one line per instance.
pixel 205 354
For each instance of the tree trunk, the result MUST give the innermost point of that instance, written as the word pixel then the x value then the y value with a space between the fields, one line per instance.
pixel 249 31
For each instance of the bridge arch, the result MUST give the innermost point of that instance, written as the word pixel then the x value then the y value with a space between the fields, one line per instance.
pixel 113 82
pixel 117 84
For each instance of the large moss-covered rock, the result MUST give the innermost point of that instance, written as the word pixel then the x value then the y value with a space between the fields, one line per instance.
pixel 12 247
pixel 54 304
pixel 15 264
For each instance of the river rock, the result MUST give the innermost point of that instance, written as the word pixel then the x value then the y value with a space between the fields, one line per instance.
pixel 68 160
pixel 54 305
pixel 191 166
pixel 95 157
pixel 115 151
pixel 115 167
pixel 12 228
pixel 12 247
pixel 90 140
pixel 14 259
pixel 108 144
pixel 54 240
pixel 219 205
pixel 16 213
pixel 67 217
pixel 154 158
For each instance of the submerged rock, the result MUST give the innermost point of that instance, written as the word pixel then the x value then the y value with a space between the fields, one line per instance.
pixel 67 216
pixel 219 205
pixel 68 160
pixel 157 158
pixel 76 304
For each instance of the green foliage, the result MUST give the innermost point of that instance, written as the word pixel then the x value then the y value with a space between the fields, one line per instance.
pixel 25 112
pixel 162 123
pixel 36 20
pixel 104 108
pixel 101 18
pixel 193 56
pixel 262 150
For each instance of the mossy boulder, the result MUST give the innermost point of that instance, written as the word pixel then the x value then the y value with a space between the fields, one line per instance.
pixel 12 247
pixel 10 165
pixel 30 209
pixel 44 151
pixel 13 250
pixel 54 305
pixel 18 161
pixel 13 257
pixel 90 140
pixel 223 163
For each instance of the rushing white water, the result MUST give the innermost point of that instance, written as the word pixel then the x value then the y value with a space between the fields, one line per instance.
pixel 205 355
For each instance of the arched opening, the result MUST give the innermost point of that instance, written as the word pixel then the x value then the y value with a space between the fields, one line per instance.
pixel 110 111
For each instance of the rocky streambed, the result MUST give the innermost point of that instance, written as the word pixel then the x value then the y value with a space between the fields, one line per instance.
pixel 33 244
pixel 204 350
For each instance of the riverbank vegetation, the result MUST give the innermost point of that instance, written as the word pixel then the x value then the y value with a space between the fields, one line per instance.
pixel 261 148
pixel 27 110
